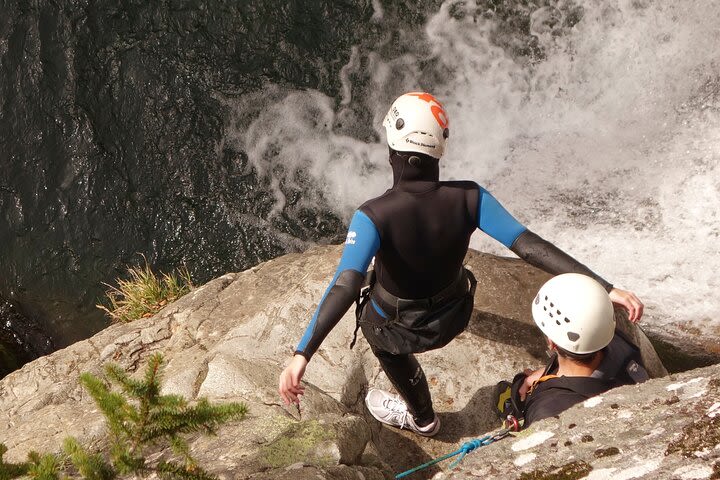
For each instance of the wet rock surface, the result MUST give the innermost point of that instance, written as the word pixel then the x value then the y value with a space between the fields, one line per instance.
pixel 21 338
pixel 230 339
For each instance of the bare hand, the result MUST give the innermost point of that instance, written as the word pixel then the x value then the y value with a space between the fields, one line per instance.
pixel 629 301
pixel 532 377
pixel 289 386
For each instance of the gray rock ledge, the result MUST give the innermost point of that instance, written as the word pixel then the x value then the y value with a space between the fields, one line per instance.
pixel 229 340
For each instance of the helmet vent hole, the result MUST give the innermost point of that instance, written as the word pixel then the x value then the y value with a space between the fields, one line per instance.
pixel 567 320
pixel 545 308
pixel 400 123
pixel 546 298
pixel 542 323
pixel 558 312
pixel 446 133
pixel 557 321
pixel 551 305
pixel 551 315
pixel 572 336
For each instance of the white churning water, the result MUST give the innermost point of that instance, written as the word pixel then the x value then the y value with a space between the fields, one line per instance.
pixel 608 146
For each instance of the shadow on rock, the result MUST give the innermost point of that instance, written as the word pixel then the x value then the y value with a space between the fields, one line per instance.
pixel 403 450
pixel 508 331
pixel 474 420
pixel 354 391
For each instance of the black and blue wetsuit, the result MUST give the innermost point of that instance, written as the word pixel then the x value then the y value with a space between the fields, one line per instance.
pixel 419 231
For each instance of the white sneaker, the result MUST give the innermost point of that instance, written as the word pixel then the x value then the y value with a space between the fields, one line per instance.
pixel 391 410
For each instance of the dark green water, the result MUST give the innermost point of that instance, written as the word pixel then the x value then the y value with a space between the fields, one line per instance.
pixel 110 134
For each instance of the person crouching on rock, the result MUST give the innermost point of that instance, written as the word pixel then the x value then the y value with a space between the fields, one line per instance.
pixel 589 355
pixel 420 295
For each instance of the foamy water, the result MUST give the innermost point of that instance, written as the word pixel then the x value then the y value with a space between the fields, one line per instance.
pixel 608 146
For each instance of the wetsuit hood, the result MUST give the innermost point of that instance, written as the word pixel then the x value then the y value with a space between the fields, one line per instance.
pixel 420 171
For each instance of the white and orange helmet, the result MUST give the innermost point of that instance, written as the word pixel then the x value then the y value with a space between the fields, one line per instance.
pixel 417 122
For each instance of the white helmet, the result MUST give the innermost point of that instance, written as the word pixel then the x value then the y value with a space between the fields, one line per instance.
pixel 417 122
pixel 575 312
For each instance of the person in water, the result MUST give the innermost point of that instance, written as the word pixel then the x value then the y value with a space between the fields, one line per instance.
pixel 589 355
pixel 420 296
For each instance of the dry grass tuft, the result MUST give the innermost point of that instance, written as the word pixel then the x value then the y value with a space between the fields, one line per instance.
pixel 144 293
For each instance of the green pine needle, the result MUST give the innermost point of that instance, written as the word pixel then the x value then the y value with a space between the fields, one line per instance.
pixel 113 405
pixel 141 418
pixel 43 467
pixel 174 471
pixel 91 467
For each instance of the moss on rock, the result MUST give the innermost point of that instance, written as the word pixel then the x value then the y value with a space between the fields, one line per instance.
pixel 702 434
pixel 606 452
pixel 300 442
pixel 569 471
pixel 696 437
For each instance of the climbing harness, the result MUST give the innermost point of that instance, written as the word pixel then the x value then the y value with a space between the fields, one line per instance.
pixel 466 448
pixel 402 326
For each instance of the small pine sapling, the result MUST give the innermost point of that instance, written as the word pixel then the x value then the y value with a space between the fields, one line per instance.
pixel 140 418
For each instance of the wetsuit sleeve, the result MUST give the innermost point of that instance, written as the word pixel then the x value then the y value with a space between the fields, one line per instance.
pixel 546 256
pixel 363 241
pixel 494 220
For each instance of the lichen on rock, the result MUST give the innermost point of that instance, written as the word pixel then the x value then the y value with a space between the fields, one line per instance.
pixel 303 441
pixel 569 471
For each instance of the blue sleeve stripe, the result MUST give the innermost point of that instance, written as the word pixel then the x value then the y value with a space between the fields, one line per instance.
pixel 494 220
pixel 363 241
pixel 309 330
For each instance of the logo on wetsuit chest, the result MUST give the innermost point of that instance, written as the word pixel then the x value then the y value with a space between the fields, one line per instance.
pixel 351 238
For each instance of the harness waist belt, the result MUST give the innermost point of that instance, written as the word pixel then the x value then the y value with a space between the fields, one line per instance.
pixel 458 287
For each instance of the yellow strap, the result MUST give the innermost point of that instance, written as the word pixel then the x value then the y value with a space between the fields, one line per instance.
pixel 502 398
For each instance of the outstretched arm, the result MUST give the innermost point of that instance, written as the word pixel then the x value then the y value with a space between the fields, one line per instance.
pixel 546 256
pixel 494 220
pixel 361 245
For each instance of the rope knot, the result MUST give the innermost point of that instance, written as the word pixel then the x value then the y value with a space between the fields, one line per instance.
pixel 468 447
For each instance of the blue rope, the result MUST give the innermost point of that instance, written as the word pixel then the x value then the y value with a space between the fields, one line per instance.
pixel 466 448
pixel 470 446
pixel 430 463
